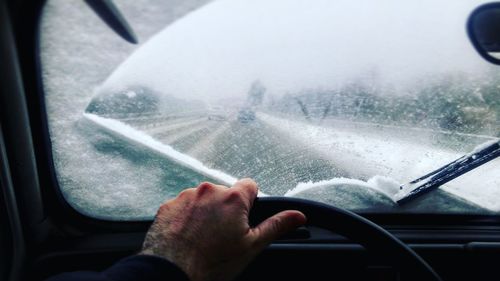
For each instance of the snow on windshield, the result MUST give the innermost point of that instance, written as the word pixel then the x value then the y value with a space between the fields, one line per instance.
pixel 217 52
pixel 326 100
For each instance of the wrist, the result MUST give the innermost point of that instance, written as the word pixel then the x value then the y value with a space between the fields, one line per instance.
pixel 194 273
pixel 145 267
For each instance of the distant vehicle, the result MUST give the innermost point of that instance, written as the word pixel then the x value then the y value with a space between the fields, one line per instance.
pixel 217 113
pixel 246 115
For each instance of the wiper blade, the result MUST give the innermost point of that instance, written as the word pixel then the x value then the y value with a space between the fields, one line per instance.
pixel 479 156
pixel 110 14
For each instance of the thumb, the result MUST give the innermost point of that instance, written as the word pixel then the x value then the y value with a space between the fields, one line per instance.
pixel 276 226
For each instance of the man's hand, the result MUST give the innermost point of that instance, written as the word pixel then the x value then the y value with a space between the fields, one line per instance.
pixel 205 230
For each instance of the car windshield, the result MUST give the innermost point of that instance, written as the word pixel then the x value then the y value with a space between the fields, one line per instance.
pixel 340 102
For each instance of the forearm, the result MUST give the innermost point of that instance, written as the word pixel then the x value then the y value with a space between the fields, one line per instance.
pixel 134 268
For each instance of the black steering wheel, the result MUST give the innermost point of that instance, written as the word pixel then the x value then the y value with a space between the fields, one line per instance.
pixel 352 226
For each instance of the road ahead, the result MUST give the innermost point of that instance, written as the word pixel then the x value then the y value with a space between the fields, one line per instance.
pixel 244 149
pixel 282 154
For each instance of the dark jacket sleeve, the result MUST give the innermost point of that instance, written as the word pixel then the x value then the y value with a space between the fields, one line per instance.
pixel 134 268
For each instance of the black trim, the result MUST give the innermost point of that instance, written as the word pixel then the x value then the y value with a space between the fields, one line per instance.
pixel 11 223
pixel 17 133
pixel 99 251
pixel 10 218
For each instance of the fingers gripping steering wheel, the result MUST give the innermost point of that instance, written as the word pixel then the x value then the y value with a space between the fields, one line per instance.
pixel 352 226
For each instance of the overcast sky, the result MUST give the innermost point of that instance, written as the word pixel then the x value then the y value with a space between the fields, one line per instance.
pixel 219 50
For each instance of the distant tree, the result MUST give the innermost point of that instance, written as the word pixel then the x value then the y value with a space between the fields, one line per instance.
pixel 130 101
pixel 452 102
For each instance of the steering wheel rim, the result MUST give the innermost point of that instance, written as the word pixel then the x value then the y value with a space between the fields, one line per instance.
pixel 352 226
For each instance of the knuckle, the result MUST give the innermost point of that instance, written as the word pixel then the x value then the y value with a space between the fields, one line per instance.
pixel 249 182
pixel 249 185
pixel 185 192
pixel 275 224
pixel 205 184
pixel 205 187
pixel 234 196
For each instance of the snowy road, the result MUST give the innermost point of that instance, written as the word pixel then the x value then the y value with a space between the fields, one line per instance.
pixel 401 154
pixel 298 158
pixel 252 149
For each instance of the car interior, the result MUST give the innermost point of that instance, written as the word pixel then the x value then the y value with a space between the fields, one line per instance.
pixel 44 233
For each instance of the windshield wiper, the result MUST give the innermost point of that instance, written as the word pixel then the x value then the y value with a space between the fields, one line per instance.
pixel 479 156
pixel 110 14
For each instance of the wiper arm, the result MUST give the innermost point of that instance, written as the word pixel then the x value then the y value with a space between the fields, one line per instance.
pixel 110 14
pixel 479 156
